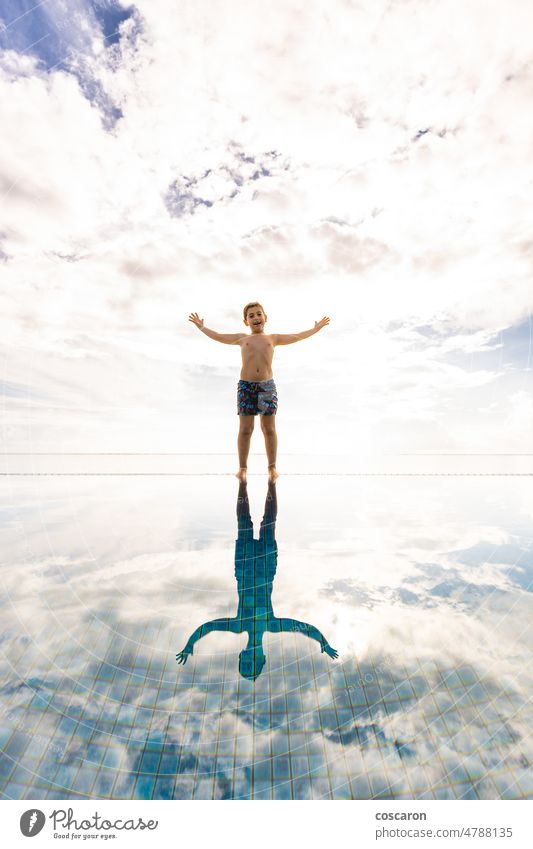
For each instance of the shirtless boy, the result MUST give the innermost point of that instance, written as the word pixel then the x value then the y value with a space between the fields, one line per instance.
pixel 256 390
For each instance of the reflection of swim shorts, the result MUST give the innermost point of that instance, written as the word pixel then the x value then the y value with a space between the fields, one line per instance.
pixel 254 398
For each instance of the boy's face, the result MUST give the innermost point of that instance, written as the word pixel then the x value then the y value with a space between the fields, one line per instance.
pixel 251 662
pixel 255 319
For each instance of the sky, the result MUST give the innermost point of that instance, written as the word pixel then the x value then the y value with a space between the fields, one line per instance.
pixel 369 161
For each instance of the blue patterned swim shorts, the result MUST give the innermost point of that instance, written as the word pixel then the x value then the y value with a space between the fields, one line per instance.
pixel 254 398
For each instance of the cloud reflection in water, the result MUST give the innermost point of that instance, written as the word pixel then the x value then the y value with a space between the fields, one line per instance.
pixel 415 584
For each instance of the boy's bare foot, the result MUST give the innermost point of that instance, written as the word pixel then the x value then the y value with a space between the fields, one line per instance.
pixel 241 474
pixel 272 473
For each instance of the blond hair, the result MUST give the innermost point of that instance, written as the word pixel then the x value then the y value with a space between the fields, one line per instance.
pixel 252 304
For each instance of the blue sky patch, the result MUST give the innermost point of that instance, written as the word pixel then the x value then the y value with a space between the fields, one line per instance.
pixel 62 39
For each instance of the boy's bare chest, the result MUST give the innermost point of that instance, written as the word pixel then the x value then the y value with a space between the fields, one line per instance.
pixel 257 347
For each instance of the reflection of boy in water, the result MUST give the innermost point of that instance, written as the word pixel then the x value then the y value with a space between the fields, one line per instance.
pixel 255 569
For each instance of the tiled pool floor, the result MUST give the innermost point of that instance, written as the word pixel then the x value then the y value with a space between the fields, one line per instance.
pixel 422 586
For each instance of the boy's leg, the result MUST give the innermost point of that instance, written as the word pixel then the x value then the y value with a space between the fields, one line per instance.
pixel 246 427
pixel 267 530
pixel 268 426
pixel 244 519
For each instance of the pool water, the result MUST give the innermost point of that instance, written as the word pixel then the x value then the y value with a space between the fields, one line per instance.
pixel 420 584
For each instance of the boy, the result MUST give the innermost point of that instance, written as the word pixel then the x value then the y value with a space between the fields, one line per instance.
pixel 256 563
pixel 256 390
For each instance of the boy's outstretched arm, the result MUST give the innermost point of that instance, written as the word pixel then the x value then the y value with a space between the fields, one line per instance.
pixel 288 338
pixel 285 624
pixel 214 625
pixel 226 338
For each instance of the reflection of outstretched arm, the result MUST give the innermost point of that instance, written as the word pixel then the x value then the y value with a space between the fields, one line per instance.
pixel 225 624
pixel 309 631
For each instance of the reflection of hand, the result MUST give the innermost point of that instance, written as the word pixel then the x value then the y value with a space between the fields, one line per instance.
pixel 195 318
pixel 322 323
pixel 333 653
pixel 182 656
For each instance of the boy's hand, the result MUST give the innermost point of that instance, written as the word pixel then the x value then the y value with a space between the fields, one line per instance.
pixel 182 656
pixel 333 653
pixel 195 318
pixel 322 323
